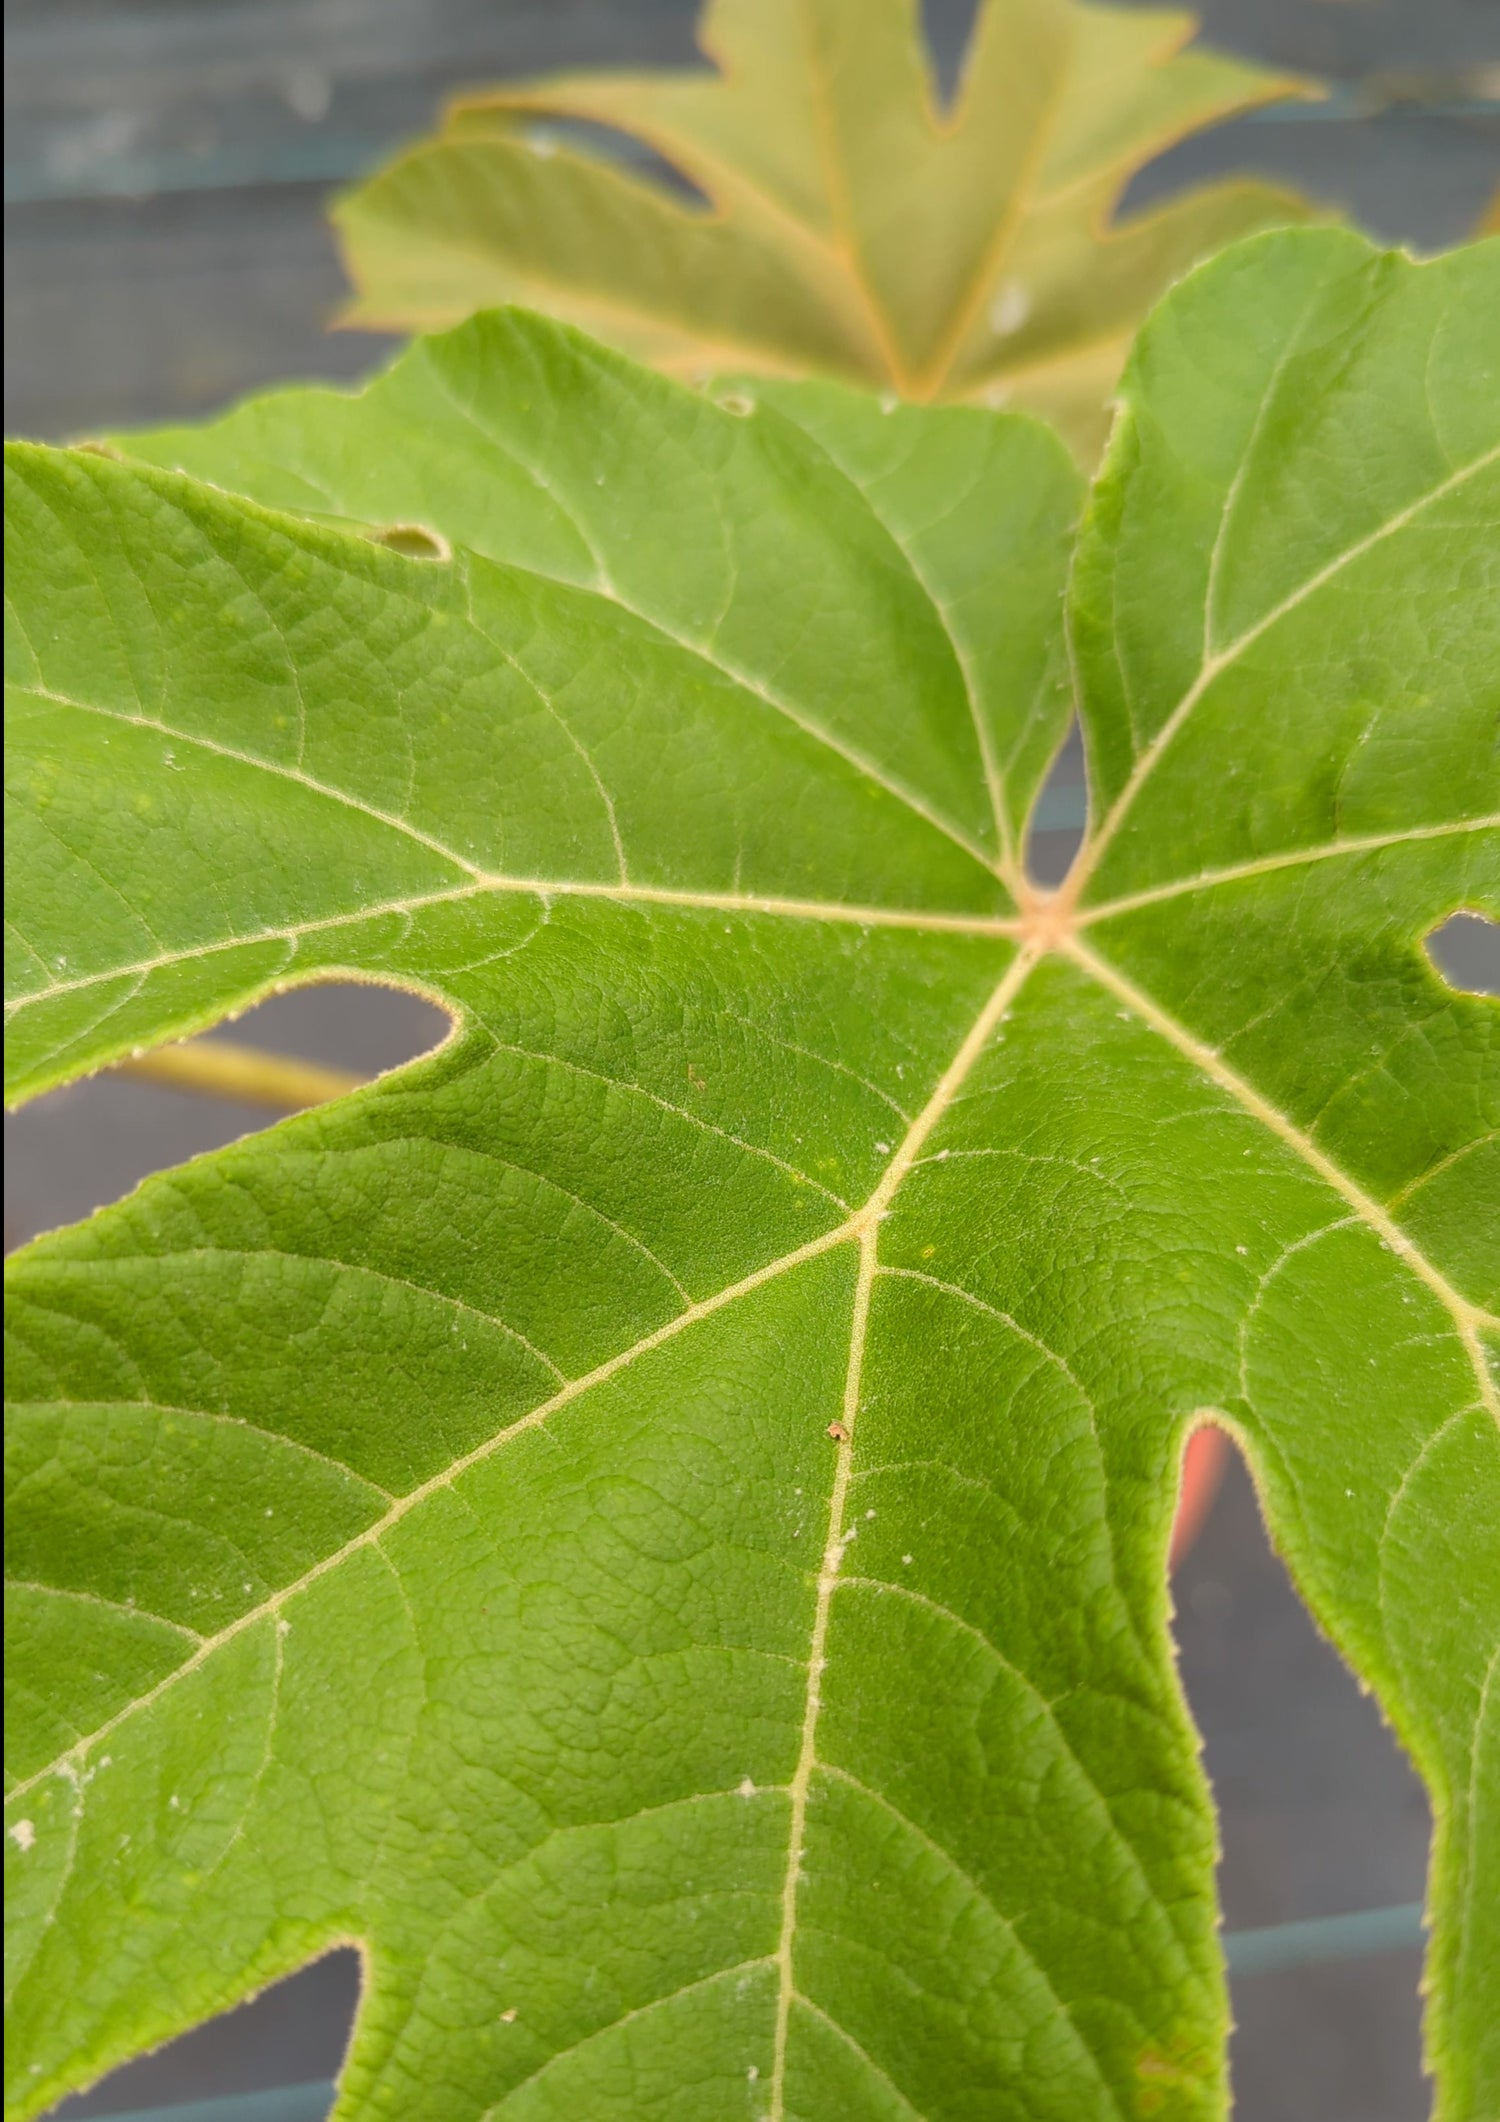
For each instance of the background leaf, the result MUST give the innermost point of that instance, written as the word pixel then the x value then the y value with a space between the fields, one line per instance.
pixel 848 225
pixel 427 1525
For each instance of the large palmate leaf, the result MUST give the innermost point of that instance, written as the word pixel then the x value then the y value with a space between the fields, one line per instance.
pixel 651 1520
pixel 848 225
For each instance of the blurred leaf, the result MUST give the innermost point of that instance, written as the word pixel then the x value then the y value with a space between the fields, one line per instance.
pixel 847 225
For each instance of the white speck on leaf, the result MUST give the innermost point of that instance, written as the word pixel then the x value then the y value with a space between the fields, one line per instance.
pixel 1010 309
pixel 23 1834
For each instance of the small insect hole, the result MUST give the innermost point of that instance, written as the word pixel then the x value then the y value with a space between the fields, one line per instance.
pixel 413 540
pixel 838 1432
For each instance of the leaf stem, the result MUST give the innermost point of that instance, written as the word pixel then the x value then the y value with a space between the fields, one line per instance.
pixel 222 1068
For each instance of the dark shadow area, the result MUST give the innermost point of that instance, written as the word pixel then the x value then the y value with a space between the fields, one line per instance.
pixel 1407 175
pixel 124 311
pixel 1334 2042
pixel 293 2034
pixel 1407 140
pixel 168 169
pixel 1466 951
pixel 73 1150
pixel 1320 1815
pixel 168 166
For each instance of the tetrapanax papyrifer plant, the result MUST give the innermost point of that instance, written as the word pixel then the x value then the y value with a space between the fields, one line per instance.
pixel 651 1520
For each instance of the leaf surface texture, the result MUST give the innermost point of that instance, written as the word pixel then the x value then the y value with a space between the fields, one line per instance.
pixel 425 1524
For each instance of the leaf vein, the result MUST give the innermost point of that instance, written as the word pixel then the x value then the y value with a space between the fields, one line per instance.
pixel 1467 1317
pixel 857 2048
pixel 1096 1796
pixel 114 1606
pixel 626 2018
pixel 445 1480
pixel 1268 865
pixel 1060 2004
pixel 1211 668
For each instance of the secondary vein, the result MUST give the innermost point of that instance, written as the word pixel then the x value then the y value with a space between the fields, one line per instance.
pixel 404 1505
pixel 546 889
pixel 1213 665
pixel 1268 865
pixel 1468 1319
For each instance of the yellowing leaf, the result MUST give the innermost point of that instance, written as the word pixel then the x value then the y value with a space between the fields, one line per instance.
pixel 849 226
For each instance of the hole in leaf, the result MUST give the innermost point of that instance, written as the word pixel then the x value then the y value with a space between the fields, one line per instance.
pixel 293 2035
pixel 1466 951
pixel 949 27
pixel 1320 1816
pixel 414 540
pixel 77 1149
pixel 1059 814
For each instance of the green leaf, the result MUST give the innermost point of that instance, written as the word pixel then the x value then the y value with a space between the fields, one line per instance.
pixel 848 226
pixel 426 1518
